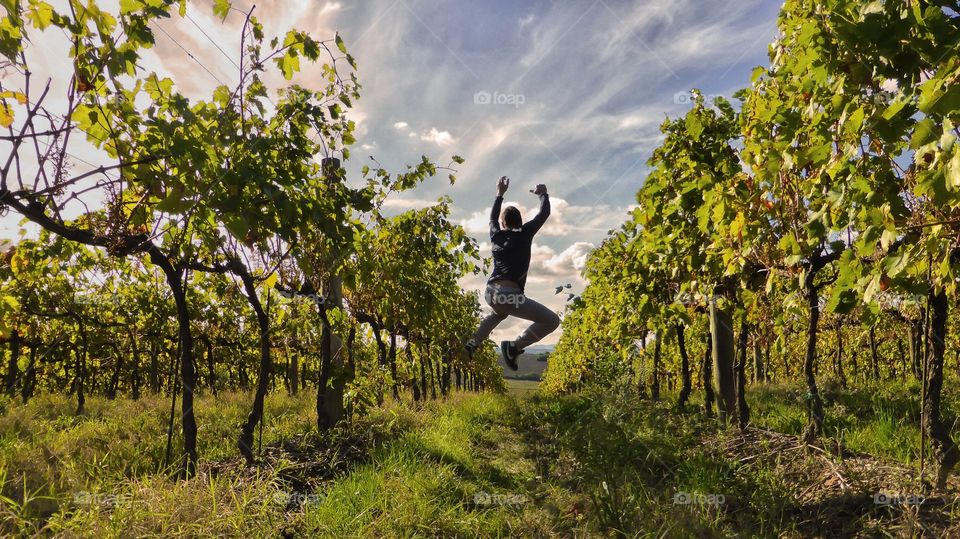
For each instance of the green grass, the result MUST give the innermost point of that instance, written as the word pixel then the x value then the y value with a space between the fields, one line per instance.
pixel 599 463
pixel 880 420
pixel 105 470
pixel 521 387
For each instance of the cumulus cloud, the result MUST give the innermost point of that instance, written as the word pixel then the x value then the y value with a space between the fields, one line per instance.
pixel 568 263
pixel 440 138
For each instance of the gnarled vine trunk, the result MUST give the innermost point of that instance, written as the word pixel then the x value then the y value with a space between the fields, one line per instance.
pixel 185 351
pixel 685 384
pixel 740 372
pixel 814 403
pixel 707 379
pixel 655 381
pixel 944 449
pixel 721 329
pixel 245 441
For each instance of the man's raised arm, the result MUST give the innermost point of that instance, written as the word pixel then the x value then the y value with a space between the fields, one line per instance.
pixel 533 225
pixel 502 184
pixel 495 214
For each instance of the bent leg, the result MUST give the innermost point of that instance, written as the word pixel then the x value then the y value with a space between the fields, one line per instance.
pixel 544 322
pixel 486 326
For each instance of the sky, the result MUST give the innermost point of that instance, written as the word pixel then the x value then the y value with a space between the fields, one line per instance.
pixel 565 93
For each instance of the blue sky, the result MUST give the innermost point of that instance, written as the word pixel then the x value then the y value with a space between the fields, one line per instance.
pixel 584 86
pixel 580 88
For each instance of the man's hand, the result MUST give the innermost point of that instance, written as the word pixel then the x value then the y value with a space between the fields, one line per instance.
pixel 540 190
pixel 502 184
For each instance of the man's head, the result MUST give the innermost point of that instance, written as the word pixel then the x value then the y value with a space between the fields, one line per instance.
pixel 510 218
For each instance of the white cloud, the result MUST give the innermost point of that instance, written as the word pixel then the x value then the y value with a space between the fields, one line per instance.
pixel 400 126
pixel 330 7
pixel 440 138
pixel 406 203
pixel 525 21
pixel 567 263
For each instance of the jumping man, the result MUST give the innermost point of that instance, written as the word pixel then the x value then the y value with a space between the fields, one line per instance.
pixel 511 239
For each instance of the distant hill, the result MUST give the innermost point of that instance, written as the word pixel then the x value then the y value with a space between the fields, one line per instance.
pixel 530 368
pixel 540 348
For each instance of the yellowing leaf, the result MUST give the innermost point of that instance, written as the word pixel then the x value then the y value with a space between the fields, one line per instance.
pixel 19 96
pixel 6 115
pixel 271 280
pixel 953 171
pixel 221 8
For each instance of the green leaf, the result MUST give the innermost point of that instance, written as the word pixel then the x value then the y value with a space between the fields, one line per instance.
pixel 41 14
pixel 854 123
pixel 923 132
pixel 894 109
pixel 129 6
pixel 289 64
pixel 238 226
pixel 221 8
pixel 340 45
pixel 953 170
pixel 222 95
pixel 842 301
pixel 694 126
pixel 875 7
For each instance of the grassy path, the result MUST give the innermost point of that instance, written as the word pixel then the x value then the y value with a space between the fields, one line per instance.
pixel 464 472
pixel 506 466
pixel 614 465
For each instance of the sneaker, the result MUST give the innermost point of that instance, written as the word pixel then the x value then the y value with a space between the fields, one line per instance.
pixel 470 347
pixel 510 354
